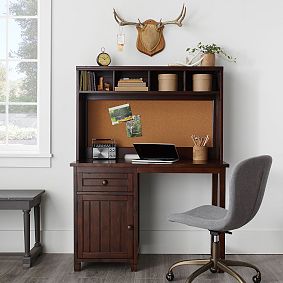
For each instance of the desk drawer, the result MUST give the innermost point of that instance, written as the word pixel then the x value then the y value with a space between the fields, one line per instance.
pixel 105 182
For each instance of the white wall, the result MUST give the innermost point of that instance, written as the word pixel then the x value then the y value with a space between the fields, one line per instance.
pixel 249 30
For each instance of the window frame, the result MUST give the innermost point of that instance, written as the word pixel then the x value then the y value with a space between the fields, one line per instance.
pixel 41 157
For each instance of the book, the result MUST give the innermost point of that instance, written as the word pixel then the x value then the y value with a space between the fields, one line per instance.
pixel 94 81
pixel 81 81
pixel 84 80
pixel 127 80
pixel 133 88
pixel 131 84
pixel 87 81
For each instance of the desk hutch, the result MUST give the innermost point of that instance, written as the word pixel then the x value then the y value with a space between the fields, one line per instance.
pixel 106 192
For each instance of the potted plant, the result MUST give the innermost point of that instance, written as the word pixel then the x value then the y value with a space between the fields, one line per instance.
pixel 207 52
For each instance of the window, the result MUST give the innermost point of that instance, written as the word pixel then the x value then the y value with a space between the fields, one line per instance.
pixel 25 62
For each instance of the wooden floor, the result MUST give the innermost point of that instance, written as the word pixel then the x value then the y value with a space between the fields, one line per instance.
pixel 152 269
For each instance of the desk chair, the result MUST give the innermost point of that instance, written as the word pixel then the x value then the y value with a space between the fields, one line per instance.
pixel 246 192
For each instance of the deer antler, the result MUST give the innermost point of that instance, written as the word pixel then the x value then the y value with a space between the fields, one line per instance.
pixel 177 21
pixel 121 21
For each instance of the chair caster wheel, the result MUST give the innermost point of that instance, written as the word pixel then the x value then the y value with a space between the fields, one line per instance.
pixel 213 270
pixel 257 278
pixel 170 276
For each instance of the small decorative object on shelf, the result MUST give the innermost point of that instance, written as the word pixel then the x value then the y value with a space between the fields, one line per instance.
pixel 103 58
pixel 127 84
pixel 202 82
pixel 204 55
pixel 103 85
pixel 167 82
pixel 100 84
pixel 103 149
pixel 107 86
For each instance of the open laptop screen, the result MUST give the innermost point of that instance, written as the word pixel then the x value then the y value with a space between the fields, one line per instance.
pixel 156 151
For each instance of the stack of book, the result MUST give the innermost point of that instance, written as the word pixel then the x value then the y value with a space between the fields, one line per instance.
pixel 126 84
pixel 87 81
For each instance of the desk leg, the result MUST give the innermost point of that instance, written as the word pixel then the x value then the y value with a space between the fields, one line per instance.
pixel 214 199
pixel 222 177
pixel 26 260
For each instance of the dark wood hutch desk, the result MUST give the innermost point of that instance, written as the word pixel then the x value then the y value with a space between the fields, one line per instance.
pixel 106 193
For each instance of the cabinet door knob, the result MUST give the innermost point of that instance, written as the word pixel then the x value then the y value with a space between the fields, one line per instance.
pixel 104 182
pixel 130 227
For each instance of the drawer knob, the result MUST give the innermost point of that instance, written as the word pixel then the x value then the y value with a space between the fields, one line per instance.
pixel 104 182
pixel 130 227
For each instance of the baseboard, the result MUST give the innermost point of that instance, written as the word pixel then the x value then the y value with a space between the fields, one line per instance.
pixel 255 242
pixel 197 242
pixel 158 242
pixel 53 241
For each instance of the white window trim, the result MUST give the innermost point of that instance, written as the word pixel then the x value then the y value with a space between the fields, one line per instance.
pixel 42 157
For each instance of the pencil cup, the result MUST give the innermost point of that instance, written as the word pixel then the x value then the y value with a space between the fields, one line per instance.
pixel 199 153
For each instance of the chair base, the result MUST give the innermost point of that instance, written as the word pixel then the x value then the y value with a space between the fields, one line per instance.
pixel 215 263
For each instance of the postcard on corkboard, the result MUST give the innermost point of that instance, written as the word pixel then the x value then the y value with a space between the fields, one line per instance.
pixel 134 127
pixel 120 113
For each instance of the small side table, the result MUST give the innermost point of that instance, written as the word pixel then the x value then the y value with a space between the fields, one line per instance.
pixel 25 200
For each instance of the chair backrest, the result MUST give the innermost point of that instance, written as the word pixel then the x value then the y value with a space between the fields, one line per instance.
pixel 247 188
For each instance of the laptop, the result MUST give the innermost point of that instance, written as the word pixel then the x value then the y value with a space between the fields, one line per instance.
pixel 155 153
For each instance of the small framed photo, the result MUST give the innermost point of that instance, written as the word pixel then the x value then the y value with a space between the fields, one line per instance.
pixel 120 113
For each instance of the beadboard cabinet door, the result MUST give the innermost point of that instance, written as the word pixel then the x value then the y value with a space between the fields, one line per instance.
pixel 105 226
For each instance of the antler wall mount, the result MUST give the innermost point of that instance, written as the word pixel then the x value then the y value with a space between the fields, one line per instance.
pixel 150 40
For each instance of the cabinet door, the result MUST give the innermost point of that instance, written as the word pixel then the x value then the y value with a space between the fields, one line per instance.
pixel 105 227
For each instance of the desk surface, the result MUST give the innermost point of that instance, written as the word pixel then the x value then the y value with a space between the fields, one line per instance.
pixel 179 166
pixel 20 194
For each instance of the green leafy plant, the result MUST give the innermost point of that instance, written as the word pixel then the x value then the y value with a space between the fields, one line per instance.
pixel 210 49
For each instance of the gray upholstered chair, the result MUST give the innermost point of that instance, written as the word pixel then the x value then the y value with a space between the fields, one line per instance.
pixel 246 192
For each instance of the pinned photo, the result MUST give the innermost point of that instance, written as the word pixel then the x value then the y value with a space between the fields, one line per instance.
pixel 134 127
pixel 121 113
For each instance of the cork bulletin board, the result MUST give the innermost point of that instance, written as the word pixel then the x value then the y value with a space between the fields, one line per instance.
pixel 162 121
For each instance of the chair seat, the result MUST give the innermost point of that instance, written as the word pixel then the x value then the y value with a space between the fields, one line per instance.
pixel 208 217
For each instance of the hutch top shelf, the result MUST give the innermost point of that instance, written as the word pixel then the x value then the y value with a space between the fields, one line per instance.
pixel 149 75
pixel 167 116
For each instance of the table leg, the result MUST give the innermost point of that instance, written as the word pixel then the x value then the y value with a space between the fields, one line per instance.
pixel 37 225
pixel 27 232
pixel 36 251
pixel 27 255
